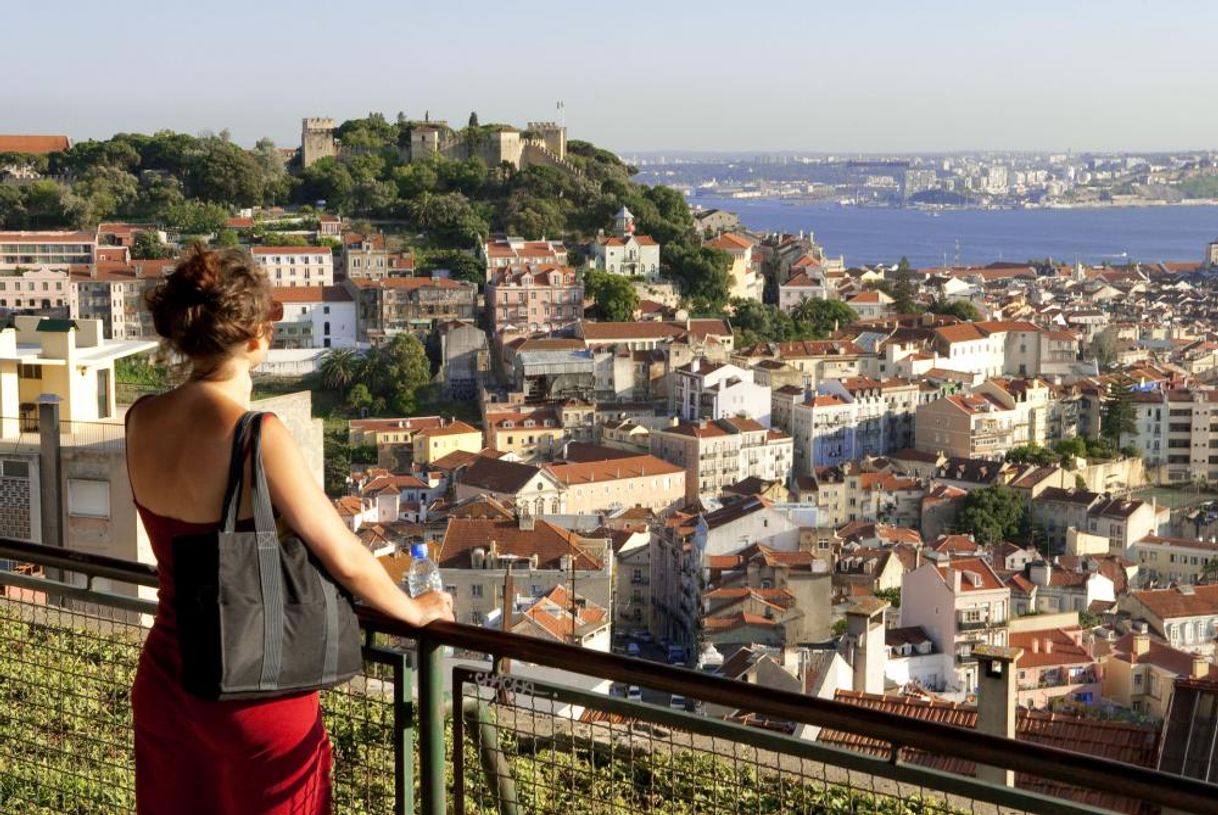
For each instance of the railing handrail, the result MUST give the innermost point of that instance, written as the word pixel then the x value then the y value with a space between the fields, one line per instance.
pixel 1064 766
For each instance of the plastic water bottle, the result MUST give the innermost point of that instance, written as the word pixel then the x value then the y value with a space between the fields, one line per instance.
pixel 423 575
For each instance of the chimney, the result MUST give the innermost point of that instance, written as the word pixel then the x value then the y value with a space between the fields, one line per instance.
pixel 1141 643
pixel 996 702
pixel 1201 666
pixel 865 627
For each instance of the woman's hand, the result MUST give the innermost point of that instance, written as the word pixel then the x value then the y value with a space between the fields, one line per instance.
pixel 435 605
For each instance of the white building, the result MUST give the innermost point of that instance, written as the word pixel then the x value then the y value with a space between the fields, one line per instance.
pixel 960 603
pixel 315 317
pixel 624 252
pixel 850 418
pixel 807 284
pixel 296 265
pixel 707 390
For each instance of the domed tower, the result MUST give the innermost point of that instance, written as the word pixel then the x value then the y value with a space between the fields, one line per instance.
pixel 623 223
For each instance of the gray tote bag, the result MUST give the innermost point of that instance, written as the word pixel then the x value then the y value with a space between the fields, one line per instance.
pixel 258 616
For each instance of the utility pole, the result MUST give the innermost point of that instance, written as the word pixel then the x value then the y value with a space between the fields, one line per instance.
pixel 505 623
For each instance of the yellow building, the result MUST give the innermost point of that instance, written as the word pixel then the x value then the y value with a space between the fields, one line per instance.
pixel 66 359
pixel 634 481
pixel 1140 672
pixel 434 443
pixel 533 434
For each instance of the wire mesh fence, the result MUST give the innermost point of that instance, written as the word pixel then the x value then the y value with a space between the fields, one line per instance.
pixel 521 746
pixel 66 742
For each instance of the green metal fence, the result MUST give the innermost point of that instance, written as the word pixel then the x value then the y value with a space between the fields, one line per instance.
pixel 468 737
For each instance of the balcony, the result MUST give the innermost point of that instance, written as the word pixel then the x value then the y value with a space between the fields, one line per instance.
pixel 422 732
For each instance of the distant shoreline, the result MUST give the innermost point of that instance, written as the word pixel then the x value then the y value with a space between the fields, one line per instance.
pixel 796 200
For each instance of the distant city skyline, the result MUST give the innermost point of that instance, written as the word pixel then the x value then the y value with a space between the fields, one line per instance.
pixel 789 77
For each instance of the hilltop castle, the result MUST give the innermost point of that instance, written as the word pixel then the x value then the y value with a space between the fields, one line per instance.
pixel 541 143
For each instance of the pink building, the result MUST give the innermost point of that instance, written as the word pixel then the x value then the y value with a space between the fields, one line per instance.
pixel 1055 662
pixel 533 299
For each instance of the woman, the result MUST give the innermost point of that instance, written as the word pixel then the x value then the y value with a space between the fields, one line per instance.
pixel 249 757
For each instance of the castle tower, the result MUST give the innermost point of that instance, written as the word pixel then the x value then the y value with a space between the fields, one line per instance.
pixel 623 223
pixel 554 136
pixel 316 140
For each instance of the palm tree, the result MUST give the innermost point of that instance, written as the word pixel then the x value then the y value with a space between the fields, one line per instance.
pixel 804 310
pixel 373 370
pixel 338 368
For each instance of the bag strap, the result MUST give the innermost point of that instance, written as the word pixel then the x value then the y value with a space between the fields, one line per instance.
pixel 270 556
pixel 260 494
pixel 236 470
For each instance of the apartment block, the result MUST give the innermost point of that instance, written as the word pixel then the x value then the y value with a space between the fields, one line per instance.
pixel 296 265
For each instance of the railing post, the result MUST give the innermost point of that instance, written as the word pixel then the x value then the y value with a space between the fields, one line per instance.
pixel 403 741
pixel 431 725
pixel 50 484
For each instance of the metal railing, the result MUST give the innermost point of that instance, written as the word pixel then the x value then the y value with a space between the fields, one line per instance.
pixel 544 737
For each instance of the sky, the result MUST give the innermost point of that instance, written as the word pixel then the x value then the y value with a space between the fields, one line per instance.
pixel 841 77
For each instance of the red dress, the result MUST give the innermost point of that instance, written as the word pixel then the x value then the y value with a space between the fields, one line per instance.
pixel 265 757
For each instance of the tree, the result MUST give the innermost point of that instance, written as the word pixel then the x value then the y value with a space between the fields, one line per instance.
pixel 904 292
pixel 473 119
pixel 614 297
pixel 148 246
pixel 993 515
pixel 960 309
pixel 1105 347
pixel 196 217
pixel 823 316
pixel 338 369
pixel 359 398
pixel 1033 454
pixel 459 265
pixel 892 596
pixel 701 273
pixel 1119 415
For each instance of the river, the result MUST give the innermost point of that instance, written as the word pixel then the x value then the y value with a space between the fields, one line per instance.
pixel 976 237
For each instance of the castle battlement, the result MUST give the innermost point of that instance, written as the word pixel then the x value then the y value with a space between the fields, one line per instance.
pixel 319 123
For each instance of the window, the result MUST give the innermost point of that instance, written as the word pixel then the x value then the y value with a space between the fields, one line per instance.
pixel 11 468
pixel 88 498
pixel 475 590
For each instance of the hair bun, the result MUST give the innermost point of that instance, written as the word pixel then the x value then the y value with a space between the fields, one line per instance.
pixel 199 274
pixel 213 300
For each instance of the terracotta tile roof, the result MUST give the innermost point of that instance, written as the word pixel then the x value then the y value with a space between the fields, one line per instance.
pixel 453 428
pixel 382 425
pixel 349 506
pixel 1194 601
pixel 1159 654
pixel 590 472
pixel 548 542
pixel 964 332
pixel 729 242
pixel 33 144
pixel 987 579
pixel 1055 646
pixel 311 294
pixel 1118 741
pixel 739 619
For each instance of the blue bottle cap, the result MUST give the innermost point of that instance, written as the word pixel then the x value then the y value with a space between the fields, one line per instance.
pixel 418 550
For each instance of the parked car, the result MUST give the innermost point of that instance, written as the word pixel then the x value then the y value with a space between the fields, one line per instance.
pixel 676 655
pixel 677 702
pixel 634 693
pixel 632 649
pixel 642 635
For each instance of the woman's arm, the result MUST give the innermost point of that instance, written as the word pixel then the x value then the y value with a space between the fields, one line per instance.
pixel 309 512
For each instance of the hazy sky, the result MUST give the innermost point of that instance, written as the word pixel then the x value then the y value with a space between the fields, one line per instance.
pixel 861 76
